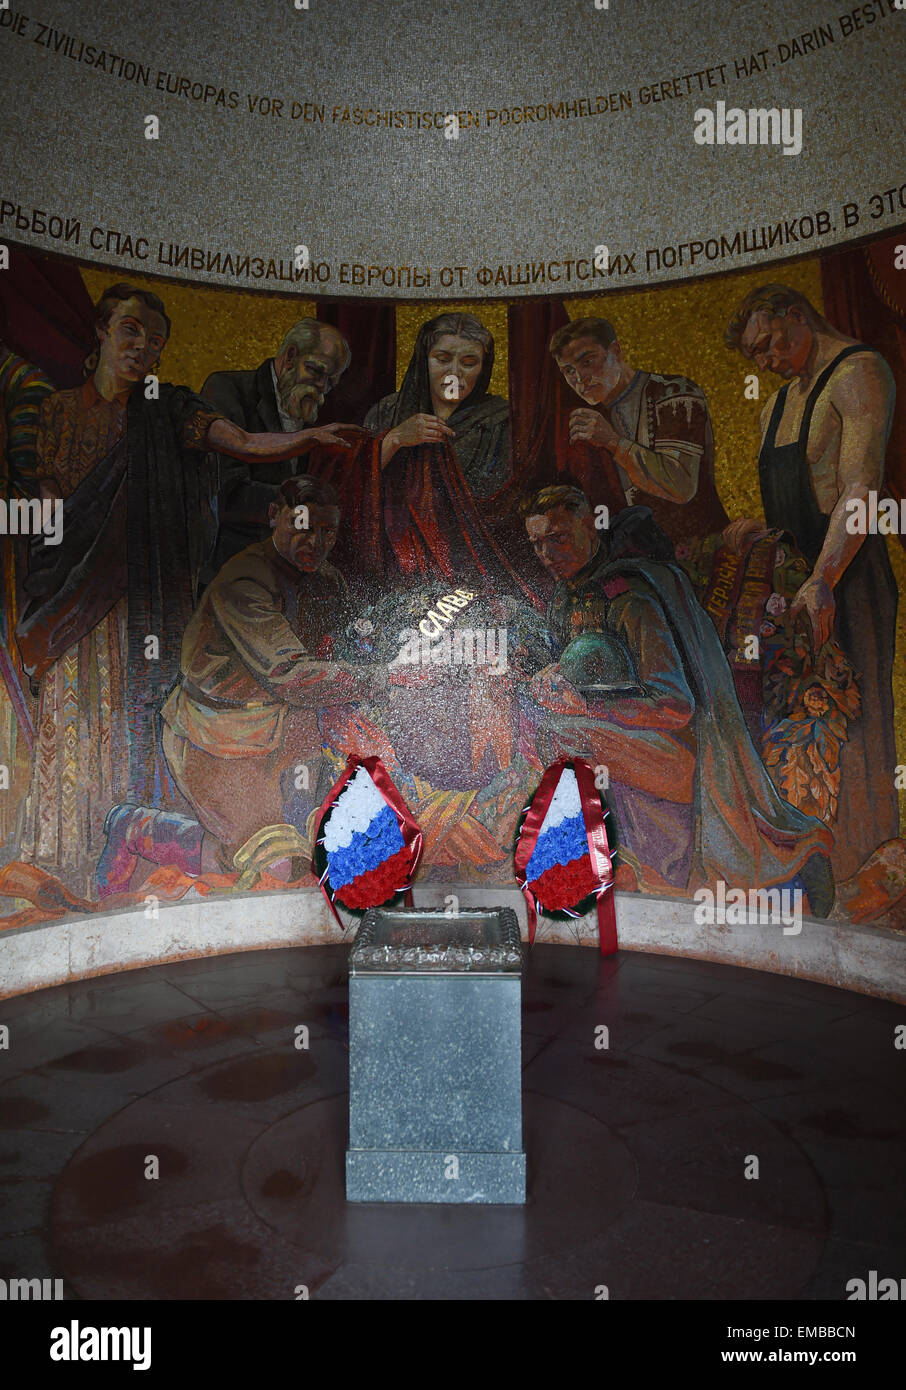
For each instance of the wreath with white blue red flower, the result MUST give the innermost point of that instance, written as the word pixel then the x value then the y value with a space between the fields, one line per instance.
pixel 367 845
pixel 563 858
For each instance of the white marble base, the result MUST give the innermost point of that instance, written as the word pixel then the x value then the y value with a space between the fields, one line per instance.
pixel 871 960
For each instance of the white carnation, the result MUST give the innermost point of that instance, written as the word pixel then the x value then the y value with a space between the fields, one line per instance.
pixel 359 803
pixel 565 802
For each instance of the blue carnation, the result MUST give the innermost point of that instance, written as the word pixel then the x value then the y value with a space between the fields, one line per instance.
pixel 559 844
pixel 366 850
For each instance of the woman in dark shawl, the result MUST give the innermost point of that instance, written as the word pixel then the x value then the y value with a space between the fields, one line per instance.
pixel 445 395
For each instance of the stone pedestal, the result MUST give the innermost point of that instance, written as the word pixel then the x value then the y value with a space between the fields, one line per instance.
pixel 435 1058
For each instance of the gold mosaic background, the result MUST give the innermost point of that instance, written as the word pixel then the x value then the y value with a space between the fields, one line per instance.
pixel 674 328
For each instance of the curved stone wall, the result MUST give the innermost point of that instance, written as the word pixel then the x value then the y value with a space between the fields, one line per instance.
pixel 865 959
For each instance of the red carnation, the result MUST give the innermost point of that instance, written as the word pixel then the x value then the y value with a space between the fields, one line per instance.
pixel 564 885
pixel 375 886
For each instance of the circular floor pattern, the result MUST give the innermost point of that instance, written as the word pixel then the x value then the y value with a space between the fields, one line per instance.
pixel 637 1153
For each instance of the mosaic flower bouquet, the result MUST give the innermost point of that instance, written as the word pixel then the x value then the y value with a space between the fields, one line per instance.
pixel 809 702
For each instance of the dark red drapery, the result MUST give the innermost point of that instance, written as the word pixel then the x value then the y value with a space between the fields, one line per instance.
pixel 48 315
pixel 370 331
pixel 863 298
pixel 540 407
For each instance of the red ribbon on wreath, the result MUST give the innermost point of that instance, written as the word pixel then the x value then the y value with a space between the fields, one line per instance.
pixel 598 847
pixel 412 835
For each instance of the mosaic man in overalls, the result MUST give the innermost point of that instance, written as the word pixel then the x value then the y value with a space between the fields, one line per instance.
pixel 824 436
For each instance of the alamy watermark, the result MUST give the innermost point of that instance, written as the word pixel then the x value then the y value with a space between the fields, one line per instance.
pixel 84 1343
pixel 481 646
pixel 736 907
pixel 757 126
pixel 30 1290
pixel 875 1290
pixel 874 516
pixel 32 516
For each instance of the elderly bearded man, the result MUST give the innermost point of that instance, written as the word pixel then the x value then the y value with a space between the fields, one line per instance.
pixel 691 798
pixel 824 436
pixel 283 394
pixel 244 715
pixel 652 433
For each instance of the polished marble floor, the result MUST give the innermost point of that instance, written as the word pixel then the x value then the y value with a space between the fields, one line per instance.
pixel 637 1153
